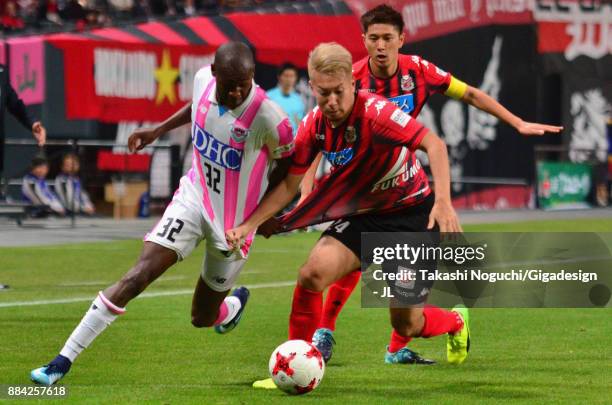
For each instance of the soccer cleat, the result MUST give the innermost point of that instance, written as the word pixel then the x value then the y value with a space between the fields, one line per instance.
pixel 405 356
pixel 242 293
pixel 458 344
pixel 267 384
pixel 52 372
pixel 323 340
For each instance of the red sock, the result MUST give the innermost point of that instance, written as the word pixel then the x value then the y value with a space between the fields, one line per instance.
pixel 337 295
pixel 439 321
pixel 305 313
pixel 398 341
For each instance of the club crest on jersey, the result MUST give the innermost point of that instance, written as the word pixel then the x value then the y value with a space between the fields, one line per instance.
pixel 406 83
pixel 239 133
pixel 216 151
pixel 339 158
pixel 350 135
pixel 320 137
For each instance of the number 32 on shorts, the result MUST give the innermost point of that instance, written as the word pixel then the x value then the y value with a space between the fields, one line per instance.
pixel 169 231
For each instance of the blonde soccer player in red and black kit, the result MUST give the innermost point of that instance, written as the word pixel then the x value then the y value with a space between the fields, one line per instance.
pixel 368 140
pixel 408 81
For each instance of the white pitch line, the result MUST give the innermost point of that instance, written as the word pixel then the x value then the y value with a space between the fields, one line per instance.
pixel 143 295
pixel 83 283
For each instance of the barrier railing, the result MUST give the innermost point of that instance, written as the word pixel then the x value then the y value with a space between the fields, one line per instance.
pixel 118 182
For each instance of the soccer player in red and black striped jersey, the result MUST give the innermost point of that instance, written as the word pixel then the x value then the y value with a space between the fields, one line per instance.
pixel 408 81
pixel 376 185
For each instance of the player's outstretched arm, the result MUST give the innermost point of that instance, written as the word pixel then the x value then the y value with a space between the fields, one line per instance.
pixel 272 202
pixel 442 212
pixel 145 136
pixel 486 103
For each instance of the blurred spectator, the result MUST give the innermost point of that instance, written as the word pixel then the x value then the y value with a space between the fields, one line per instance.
pixel 190 7
pixel 140 9
pixel 73 11
pixel 36 190
pixel 69 189
pixel 286 97
pixel 10 100
pixel 121 9
pixel 29 12
pixel 162 7
pixel 10 20
pixel 48 10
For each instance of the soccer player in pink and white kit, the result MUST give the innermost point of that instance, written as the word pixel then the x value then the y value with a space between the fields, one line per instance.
pixel 237 134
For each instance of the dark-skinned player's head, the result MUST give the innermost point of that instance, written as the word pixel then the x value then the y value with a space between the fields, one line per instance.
pixel 383 36
pixel 234 69
pixel 330 71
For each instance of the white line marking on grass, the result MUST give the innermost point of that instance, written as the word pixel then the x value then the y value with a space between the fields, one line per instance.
pixel 90 283
pixel 83 283
pixel 143 295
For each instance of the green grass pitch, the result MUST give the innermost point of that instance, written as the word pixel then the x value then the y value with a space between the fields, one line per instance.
pixel 153 353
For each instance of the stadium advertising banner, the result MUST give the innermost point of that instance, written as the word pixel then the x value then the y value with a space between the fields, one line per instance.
pixel 499 62
pixel 125 81
pixel 575 42
pixel 27 68
pixel 564 185
pixel 145 72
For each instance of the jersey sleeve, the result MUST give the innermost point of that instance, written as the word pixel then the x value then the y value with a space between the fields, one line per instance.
pixel 280 140
pixel 305 146
pixel 437 80
pixel 395 127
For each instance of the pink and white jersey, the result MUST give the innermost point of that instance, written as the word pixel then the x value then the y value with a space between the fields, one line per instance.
pixel 233 152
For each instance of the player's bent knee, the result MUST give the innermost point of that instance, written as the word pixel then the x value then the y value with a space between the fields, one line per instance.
pixel 311 277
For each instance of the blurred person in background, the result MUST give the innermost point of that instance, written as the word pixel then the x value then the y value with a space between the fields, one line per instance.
pixel 69 189
pixel 36 190
pixel 48 12
pixel 286 97
pixel 11 101
pixel 10 20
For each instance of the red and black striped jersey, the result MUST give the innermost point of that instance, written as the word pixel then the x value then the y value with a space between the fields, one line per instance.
pixel 373 163
pixel 409 88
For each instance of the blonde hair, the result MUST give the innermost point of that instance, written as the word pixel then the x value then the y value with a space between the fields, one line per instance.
pixel 330 58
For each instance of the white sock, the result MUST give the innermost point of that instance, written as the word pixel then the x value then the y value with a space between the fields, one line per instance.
pixel 233 306
pixel 101 313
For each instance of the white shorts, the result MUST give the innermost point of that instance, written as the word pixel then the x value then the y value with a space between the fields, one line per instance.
pixel 182 228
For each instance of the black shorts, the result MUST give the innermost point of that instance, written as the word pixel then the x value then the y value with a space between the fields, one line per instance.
pixel 413 219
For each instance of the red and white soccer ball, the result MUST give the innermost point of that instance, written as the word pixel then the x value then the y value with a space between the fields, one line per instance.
pixel 296 367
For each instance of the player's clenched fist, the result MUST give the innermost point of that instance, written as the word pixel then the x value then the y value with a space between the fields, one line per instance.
pixel 235 237
pixel 141 138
